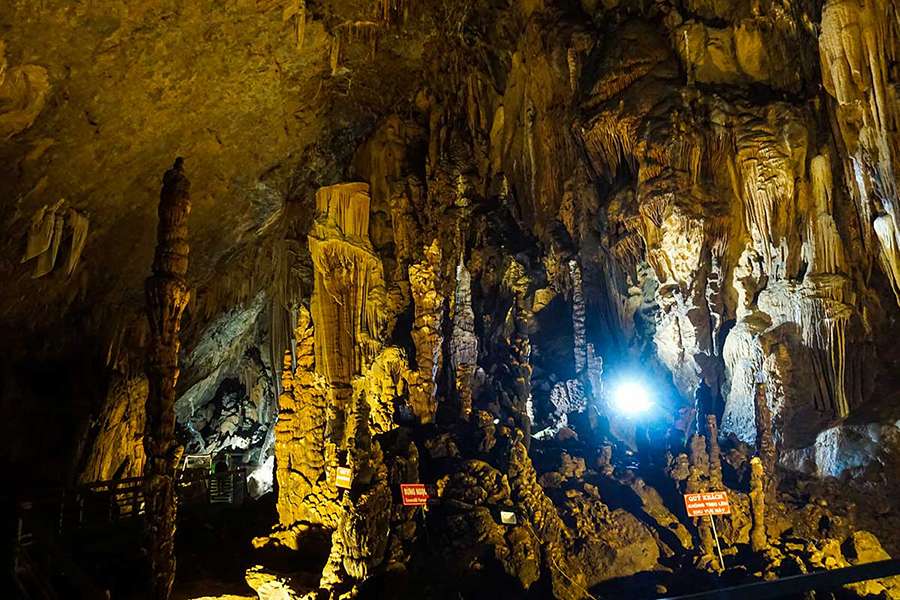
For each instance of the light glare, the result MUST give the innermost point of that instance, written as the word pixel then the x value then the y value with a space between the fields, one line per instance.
pixel 631 398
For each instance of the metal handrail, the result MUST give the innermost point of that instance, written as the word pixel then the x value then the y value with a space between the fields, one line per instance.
pixel 798 584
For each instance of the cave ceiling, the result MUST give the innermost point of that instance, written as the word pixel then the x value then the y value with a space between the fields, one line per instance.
pixel 100 97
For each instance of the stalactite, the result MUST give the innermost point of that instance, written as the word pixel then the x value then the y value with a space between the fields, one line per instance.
pixel 167 296
pixel 715 302
pixel 79 225
pixel 769 148
pixel 348 32
pixel 301 24
pixel 391 11
pixel 348 298
pixel 296 9
pixel 572 60
pixel 823 248
pixel 334 56
pixel 49 226
pixel 889 237
pixel 857 46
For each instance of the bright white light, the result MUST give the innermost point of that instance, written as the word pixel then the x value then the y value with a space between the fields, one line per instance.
pixel 631 398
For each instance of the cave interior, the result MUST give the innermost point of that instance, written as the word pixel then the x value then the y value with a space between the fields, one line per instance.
pixel 333 299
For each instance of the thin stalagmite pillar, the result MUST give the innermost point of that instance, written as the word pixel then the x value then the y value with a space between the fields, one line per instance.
pixel 698 482
pixel 758 539
pixel 715 454
pixel 765 443
pixel 167 296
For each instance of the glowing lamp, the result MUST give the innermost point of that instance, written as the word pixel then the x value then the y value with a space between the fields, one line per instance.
pixel 631 398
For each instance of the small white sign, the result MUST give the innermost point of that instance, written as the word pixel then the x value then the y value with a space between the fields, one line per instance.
pixel 508 517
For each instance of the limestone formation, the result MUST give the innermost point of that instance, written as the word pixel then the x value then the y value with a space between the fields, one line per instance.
pixel 463 343
pixel 118 448
pixel 167 296
pixel 23 94
pixel 426 331
pixel 715 459
pixel 758 505
pixel 305 492
pixel 697 481
pixel 435 238
pixel 765 444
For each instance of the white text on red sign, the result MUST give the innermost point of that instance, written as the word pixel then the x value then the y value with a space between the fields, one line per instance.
pixel 707 503
pixel 413 494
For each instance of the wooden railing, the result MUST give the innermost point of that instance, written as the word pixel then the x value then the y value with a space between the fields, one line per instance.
pixel 104 502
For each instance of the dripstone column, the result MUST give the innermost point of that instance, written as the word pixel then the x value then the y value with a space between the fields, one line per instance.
pixel 167 296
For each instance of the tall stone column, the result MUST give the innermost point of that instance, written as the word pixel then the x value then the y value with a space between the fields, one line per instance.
pixel 464 343
pixel 758 539
pixel 715 454
pixel 765 443
pixel 698 481
pixel 167 296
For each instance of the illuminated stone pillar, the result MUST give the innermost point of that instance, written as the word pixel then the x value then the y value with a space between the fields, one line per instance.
pixel 167 296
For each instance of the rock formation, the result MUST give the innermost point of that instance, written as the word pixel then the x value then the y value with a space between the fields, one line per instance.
pixel 438 238
pixel 167 296
pixel 118 448
pixel 23 94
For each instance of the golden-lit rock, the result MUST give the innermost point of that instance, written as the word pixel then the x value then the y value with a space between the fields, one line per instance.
pixel 426 331
pixel 118 449
pixel 23 93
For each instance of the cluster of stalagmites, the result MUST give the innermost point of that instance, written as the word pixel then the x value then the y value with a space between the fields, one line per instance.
pixel 350 401
pixel 768 213
pixel 670 189
pixel 726 252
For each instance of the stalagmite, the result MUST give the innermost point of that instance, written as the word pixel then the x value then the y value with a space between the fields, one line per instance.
pixel 464 343
pixel 578 316
pixel 426 331
pixel 343 390
pixel 765 443
pixel 758 539
pixel 698 481
pixel 167 296
pixel 715 458
pixel 513 344
pixel 305 493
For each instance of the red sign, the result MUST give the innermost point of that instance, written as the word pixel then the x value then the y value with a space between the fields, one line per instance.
pixel 413 494
pixel 343 478
pixel 707 503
